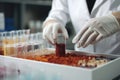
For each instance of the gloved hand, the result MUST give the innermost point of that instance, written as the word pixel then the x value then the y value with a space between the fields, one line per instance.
pixel 51 31
pixel 96 29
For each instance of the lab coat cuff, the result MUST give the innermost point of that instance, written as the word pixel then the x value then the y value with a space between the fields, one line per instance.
pixel 116 21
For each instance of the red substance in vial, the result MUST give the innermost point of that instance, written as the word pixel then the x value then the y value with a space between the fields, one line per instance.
pixel 60 50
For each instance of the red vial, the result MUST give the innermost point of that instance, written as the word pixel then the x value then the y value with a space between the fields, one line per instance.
pixel 60 45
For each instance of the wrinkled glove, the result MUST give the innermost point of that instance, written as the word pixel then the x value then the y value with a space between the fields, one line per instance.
pixel 96 29
pixel 51 31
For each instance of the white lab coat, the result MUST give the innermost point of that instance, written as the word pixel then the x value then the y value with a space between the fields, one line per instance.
pixel 77 12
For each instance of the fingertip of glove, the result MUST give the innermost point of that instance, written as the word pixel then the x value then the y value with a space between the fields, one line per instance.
pixel 85 45
pixel 78 45
pixel 54 36
pixel 74 40
pixel 67 37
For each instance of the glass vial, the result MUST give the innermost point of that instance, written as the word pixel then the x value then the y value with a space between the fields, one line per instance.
pixel 60 45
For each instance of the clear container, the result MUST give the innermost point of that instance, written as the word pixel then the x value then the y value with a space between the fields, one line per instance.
pixel 4 42
pixel 41 41
pixel 21 41
pixel 36 41
pixel 1 44
pixel 30 47
pixel 60 45
pixel 10 48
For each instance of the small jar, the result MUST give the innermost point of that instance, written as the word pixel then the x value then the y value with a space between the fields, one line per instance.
pixel 60 45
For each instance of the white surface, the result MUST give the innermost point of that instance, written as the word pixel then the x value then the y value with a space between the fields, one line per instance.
pixel 34 70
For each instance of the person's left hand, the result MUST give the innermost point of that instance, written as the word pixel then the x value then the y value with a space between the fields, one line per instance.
pixel 95 30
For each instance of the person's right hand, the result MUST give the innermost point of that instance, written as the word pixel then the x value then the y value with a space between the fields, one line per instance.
pixel 51 31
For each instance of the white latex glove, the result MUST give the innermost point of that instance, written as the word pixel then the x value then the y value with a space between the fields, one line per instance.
pixel 51 31
pixel 96 29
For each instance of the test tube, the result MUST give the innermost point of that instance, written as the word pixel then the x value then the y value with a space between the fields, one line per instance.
pixel 25 40
pixel 36 43
pixel 1 44
pixel 15 41
pixel 60 45
pixel 10 43
pixel 26 35
pixel 31 43
pixel 21 36
pixel 4 42
pixel 39 40
pixel 20 42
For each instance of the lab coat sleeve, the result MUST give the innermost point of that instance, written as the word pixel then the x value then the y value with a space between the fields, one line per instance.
pixel 59 12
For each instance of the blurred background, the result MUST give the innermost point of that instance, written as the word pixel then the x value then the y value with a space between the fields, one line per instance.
pixel 29 14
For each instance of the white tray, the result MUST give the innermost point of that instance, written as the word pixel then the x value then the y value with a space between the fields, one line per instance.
pixel 36 70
